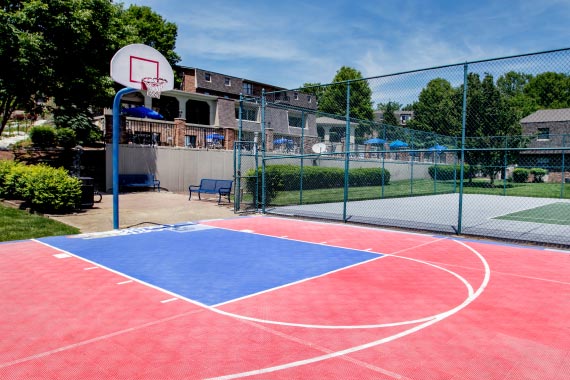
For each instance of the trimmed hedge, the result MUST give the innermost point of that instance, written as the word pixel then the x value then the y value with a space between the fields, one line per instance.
pixel 538 174
pixel 45 188
pixel 520 175
pixel 288 178
pixel 448 172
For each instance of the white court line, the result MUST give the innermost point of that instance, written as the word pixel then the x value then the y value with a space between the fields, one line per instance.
pixel 169 300
pixel 124 282
pixel 90 268
pixel 412 330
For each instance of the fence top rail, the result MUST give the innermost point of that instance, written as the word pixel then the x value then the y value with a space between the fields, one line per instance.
pixel 467 63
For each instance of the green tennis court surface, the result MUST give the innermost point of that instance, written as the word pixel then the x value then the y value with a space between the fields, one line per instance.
pixel 555 213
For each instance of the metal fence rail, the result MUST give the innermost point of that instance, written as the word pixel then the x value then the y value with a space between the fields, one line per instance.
pixel 477 148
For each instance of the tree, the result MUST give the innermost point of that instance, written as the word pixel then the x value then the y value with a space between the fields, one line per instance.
pixel 437 109
pixel 489 121
pixel 549 90
pixel 333 99
pixel 62 48
pixel 388 109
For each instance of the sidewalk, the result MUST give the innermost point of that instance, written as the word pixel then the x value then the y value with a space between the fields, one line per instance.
pixel 145 209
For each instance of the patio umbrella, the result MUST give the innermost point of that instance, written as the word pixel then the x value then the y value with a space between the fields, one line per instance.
pixel 214 136
pixel 438 148
pixel 375 140
pixel 142 112
pixel 283 140
pixel 398 144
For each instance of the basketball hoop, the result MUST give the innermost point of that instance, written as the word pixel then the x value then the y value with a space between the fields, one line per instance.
pixel 153 86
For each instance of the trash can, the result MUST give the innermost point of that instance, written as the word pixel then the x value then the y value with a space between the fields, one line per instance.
pixel 87 192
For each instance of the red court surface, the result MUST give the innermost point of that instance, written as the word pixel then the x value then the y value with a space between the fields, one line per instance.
pixel 430 308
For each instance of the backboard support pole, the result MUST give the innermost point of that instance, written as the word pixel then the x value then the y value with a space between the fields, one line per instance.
pixel 116 137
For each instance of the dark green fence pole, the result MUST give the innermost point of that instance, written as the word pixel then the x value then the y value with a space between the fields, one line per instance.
pixel 505 167
pixel 454 168
pixel 462 161
pixel 302 156
pixel 411 154
pixel 346 151
pixel 237 149
pixel 263 180
pixel 563 169
pixel 383 158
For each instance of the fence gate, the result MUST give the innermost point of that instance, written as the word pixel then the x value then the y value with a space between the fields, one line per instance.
pixel 246 175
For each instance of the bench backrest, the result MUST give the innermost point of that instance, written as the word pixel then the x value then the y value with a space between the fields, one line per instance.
pixel 214 185
pixel 125 179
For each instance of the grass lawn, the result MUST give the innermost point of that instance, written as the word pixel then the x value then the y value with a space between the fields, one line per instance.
pixel 19 225
pixel 418 187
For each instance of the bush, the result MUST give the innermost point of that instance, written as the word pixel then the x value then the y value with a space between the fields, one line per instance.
pixel 448 172
pixel 273 184
pixel 43 136
pixel 538 174
pixel 520 175
pixel 288 178
pixel 45 188
pixel 66 138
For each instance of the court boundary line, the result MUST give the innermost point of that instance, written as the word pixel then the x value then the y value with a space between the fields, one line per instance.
pixel 354 327
pixel 351 350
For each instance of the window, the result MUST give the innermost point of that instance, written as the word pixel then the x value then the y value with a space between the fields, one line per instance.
pixel 227 81
pixel 247 89
pixel 543 133
pixel 309 99
pixel 296 95
pixel 247 113
pixel 208 77
pixel 295 121
pixel 405 118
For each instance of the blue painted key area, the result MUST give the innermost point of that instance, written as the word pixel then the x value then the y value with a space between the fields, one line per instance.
pixel 209 265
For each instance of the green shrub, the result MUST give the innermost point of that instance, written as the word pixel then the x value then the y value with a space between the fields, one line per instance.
pixel 45 188
pixel 273 184
pixel 288 178
pixel 448 172
pixel 520 175
pixel 538 174
pixel 43 136
pixel 66 138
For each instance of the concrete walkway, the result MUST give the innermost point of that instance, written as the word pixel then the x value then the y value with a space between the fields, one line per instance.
pixel 144 209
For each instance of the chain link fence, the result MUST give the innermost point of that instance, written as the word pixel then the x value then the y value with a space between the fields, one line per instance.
pixel 476 149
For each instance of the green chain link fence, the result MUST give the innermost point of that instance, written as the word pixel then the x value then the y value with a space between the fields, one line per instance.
pixel 476 149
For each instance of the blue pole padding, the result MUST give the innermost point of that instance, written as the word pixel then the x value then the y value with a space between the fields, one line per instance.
pixel 116 137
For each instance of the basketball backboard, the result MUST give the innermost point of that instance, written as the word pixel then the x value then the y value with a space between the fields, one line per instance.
pixel 134 62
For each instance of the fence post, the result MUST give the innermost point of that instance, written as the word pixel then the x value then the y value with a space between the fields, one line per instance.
pixel 505 168
pixel 462 161
pixel 563 171
pixel 411 155
pixel 302 156
pixel 237 150
pixel 383 158
pixel 263 180
pixel 346 151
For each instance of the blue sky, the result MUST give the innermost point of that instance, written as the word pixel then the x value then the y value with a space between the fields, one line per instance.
pixel 288 43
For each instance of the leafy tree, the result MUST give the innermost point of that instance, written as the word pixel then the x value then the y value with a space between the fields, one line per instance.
pixel 489 120
pixel 549 90
pixel 438 109
pixel 61 49
pixel 512 83
pixel 333 99
pixel 388 110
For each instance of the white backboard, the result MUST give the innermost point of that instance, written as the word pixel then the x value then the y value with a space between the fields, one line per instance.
pixel 134 62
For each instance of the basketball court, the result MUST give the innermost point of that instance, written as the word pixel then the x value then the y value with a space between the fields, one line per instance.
pixel 271 298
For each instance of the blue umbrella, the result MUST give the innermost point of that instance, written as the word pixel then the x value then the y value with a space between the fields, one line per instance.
pixel 375 140
pixel 283 140
pixel 438 148
pixel 142 112
pixel 214 136
pixel 398 144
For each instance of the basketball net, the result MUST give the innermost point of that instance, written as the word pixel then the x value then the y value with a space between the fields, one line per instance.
pixel 153 86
